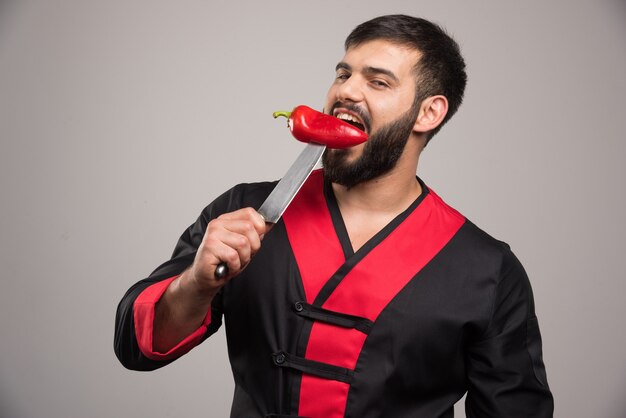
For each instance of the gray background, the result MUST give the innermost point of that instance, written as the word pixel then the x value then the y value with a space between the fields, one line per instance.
pixel 121 120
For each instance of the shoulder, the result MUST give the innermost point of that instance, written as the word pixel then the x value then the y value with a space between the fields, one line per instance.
pixel 252 194
pixel 240 196
pixel 494 259
pixel 478 245
pixel 491 247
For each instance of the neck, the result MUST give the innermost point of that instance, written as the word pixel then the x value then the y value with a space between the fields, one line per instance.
pixel 384 194
pixel 390 193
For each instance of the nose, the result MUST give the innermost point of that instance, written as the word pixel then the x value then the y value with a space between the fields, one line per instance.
pixel 350 90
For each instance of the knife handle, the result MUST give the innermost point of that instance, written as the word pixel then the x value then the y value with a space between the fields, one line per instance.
pixel 221 270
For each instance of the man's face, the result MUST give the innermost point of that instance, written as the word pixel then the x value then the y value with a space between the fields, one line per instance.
pixel 374 88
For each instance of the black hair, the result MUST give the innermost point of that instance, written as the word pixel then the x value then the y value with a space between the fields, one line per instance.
pixel 440 69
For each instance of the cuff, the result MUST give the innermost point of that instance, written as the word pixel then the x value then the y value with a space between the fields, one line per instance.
pixel 143 311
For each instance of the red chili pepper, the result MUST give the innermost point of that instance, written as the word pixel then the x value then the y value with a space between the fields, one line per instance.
pixel 309 125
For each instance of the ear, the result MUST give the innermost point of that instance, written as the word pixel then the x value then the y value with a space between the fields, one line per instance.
pixel 432 111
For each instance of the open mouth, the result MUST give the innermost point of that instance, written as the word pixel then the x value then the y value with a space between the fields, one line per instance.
pixel 351 119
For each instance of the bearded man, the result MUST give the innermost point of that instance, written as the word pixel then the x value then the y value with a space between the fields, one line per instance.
pixel 371 297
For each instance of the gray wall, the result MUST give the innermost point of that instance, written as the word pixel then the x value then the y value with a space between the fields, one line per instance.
pixel 120 120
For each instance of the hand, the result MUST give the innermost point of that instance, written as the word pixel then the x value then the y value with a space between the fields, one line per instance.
pixel 232 238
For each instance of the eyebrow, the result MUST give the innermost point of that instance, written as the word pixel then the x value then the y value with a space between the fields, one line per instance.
pixel 368 70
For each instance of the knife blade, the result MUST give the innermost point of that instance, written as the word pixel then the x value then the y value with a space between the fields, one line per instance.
pixel 279 199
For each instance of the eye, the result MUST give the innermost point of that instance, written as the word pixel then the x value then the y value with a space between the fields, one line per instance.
pixel 342 76
pixel 380 83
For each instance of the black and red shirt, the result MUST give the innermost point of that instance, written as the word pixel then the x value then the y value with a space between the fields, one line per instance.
pixel 430 308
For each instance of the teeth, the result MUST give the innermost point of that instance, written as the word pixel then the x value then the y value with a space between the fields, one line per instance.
pixel 347 117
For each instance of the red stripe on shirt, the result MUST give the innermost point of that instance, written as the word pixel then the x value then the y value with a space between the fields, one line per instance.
pixel 319 252
pixel 365 290
pixel 143 312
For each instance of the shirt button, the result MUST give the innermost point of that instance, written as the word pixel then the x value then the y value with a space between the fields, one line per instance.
pixel 279 358
pixel 298 306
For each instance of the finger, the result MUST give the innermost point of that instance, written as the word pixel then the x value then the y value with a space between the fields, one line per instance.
pixel 214 252
pixel 247 214
pixel 239 243
pixel 239 235
pixel 244 226
pixel 246 229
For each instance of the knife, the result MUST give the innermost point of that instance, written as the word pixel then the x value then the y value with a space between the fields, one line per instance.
pixel 279 199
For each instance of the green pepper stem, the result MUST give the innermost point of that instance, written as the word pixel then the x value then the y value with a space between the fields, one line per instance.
pixel 281 113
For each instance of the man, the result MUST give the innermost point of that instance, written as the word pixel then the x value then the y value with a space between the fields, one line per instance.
pixel 371 297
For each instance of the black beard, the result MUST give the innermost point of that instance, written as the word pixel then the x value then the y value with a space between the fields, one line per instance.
pixel 380 154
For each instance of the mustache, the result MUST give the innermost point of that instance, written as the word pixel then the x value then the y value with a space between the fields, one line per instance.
pixel 367 121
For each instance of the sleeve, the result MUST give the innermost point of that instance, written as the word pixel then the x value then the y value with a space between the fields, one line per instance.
pixel 143 316
pixel 135 312
pixel 506 374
